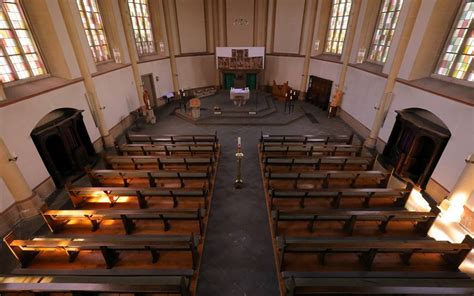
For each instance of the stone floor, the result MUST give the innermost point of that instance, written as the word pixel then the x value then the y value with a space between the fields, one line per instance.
pixel 238 257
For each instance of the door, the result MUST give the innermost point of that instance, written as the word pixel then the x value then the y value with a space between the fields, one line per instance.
pixel 149 86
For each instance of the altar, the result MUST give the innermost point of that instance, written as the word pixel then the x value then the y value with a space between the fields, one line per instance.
pixel 239 96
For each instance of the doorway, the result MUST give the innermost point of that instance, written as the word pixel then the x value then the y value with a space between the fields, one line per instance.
pixel 149 85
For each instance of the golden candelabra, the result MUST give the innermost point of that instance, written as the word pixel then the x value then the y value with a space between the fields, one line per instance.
pixel 238 181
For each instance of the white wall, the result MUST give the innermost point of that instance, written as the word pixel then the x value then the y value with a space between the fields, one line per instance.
pixel 18 120
pixel 119 100
pixel 196 71
pixel 282 69
pixel 288 25
pixel 361 93
pixel 162 69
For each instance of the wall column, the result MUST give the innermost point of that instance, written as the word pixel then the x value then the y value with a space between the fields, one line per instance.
pixel 16 183
pixel 67 12
pixel 353 19
pixel 170 36
pixel 132 51
pixel 453 205
pixel 309 46
pixel 386 99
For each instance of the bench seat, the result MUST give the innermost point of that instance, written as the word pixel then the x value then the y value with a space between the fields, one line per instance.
pixel 151 178
pixel 57 219
pixel 81 195
pixel 328 179
pixel 337 195
pixel 109 245
pixel 368 248
pixel 367 283
pixel 320 163
pixel 423 220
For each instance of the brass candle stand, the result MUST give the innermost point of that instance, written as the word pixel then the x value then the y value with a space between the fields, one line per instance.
pixel 238 181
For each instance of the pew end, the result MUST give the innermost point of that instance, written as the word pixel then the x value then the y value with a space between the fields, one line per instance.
pixel 23 257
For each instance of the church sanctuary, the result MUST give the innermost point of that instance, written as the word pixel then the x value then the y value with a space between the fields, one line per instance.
pixel 236 147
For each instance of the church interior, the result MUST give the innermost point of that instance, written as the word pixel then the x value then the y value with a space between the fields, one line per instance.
pixel 236 147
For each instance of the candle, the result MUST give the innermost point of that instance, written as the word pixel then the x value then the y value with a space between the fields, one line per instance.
pixel 286 94
pixel 239 142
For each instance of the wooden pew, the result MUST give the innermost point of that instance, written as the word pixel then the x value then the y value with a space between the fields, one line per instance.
pixel 337 195
pixel 383 217
pixel 305 139
pixel 58 219
pixel 138 281
pixel 140 162
pixel 379 283
pixel 368 248
pixel 109 245
pixel 167 149
pixel 328 179
pixel 297 149
pixel 172 139
pixel 81 195
pixel 319 163
pixel 160 179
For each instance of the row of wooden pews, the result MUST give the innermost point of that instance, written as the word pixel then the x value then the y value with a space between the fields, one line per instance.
pixel 338 226
pixel 139 228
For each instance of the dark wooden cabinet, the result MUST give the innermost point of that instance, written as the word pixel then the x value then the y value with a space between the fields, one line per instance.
pixel 64 145
pixel 319 91
pixel 415 145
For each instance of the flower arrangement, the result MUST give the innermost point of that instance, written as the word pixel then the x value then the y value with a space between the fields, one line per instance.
pixel 195 103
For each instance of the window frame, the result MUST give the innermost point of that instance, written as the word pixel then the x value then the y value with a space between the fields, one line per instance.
pixel 449 78
pixel 324 52
pixel 155 52
pixel 111 57
pixel 371 45
pixel 34 42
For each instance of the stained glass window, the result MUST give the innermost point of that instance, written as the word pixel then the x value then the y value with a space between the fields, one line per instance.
pixel 92 22
pixel 141 25
pixel 383 34
pixel 338 22
pixel 456 60
pixel 19 58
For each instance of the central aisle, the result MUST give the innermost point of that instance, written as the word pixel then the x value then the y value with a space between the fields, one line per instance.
pixel 238 256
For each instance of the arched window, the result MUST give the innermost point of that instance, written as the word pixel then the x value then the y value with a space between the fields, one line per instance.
pixel 386 24
pixel 456 60
pixel 338 22
pixel 19 56
pixel 92 22
pixel 141 24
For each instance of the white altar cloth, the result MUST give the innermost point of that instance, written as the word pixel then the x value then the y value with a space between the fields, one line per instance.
pixel 239 96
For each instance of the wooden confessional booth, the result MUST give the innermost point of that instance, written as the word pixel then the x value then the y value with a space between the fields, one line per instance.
pixel 319 91
pixel 64 145
pixel 415 145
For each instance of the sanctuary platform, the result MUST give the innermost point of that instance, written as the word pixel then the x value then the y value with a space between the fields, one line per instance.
pixel 260 109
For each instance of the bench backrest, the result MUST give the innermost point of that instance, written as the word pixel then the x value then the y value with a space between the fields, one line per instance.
pixel 147 177
pixel 171 139
pixel 268 138
pixel 165 149
pixel 158 162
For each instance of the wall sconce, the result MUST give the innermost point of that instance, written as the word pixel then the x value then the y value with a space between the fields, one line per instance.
pixel 360 55
pixel 14 157
pixel 241 21
pixel 316 45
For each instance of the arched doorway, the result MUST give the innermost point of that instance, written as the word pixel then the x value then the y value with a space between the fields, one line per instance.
pixel 64 144
pixel 415 145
